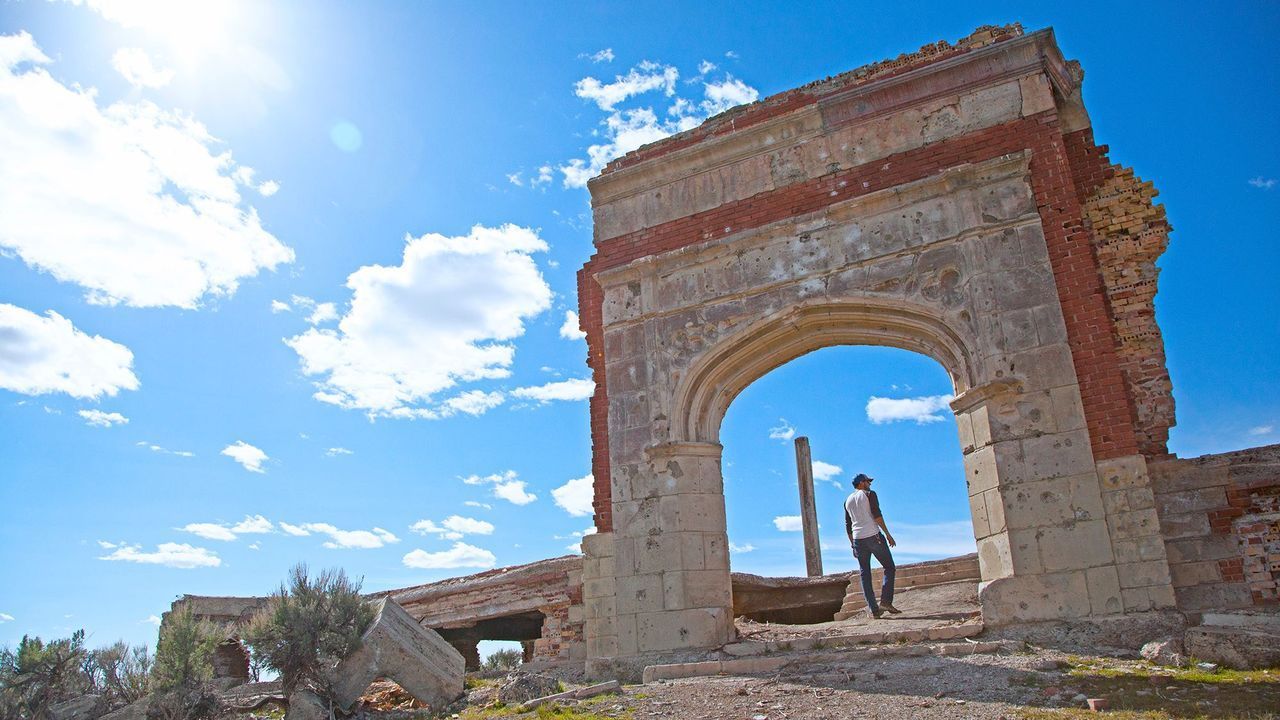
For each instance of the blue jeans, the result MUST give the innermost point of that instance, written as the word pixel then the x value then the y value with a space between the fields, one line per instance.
pixel 863 549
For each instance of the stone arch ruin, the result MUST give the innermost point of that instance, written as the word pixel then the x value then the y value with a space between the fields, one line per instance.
pixel 950 202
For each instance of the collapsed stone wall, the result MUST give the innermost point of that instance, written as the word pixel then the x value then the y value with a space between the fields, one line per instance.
pixel 1220 517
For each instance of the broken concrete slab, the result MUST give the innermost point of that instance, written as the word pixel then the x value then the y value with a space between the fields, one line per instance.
pixel 85 707
pixel 306 705
pixel 396 647
pixel 1235 647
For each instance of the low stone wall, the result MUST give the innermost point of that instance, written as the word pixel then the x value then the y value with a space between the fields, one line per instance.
pixel 1220 517
pixel 914 575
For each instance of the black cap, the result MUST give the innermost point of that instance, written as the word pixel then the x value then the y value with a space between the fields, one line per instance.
pixel 862 477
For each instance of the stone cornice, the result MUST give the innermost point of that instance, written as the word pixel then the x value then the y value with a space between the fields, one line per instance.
pixel 1029 54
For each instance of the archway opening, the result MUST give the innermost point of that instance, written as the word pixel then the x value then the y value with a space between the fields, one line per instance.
pixel 864 409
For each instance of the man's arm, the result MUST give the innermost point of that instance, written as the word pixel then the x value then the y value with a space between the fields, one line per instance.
pixel 848 526
pixel 879 518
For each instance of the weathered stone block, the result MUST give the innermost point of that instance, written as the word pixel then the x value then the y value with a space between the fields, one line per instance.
pixel 395 646
pixel 1075 547
pixel 1143 574
pixel 677 629
pixel 1104 590
pixel 639 593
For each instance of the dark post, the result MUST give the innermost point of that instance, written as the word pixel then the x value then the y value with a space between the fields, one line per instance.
pixel 808 508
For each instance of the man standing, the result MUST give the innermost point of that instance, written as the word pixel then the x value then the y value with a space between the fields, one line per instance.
pixel 863 523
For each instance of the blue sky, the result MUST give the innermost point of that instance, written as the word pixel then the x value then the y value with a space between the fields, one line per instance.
pixel 289 282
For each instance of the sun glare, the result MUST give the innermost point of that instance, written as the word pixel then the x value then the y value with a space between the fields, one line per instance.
pixel 187 27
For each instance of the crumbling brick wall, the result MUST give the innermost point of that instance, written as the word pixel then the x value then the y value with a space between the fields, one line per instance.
pixel 1220 516
pixel 1130 232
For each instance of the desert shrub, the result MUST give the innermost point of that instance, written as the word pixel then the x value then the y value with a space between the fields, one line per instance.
pixel 505 659
pixel 119 672
pixel 308 626
pixel 184 653
pixel 40 674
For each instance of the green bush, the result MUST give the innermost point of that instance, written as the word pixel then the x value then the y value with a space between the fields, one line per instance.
pixel 39 675
pixel 308 626
pixel 184 653
pixel 505 659
pixel 119 672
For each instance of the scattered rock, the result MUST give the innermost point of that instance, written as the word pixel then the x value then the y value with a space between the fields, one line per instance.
pixel 1098 704
pixel 85 707
pixel 306 705
pixel 520 687
pixel 1165 651
pixel 1207 666
pixel 1235 647
pixel 132 711
pixel 1049 665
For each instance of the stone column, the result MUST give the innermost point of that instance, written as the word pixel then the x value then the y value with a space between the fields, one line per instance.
pixel 671 556
pixel 1044 545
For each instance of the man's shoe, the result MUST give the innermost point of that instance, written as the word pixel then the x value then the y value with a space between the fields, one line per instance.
pixel 890 608
pixel 877 613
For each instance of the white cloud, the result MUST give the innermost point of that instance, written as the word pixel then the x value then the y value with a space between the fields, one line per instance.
pixel 445 315
pixel 1263 183
pixel 294 530
pixel 641 79
pixel 253 525
pixel 210 531
pixel 627 129
pixel 573 389
pixel 926 409
pixel 706 66
pixel 570 329
pixel 474 504
pixel 156 448
pixel 1261 430
pixel 269 188
pixel 453 527
pixel 461 555
pixel 250 525
pixel 131 202
pixel 153 620
pixel 735 548
pixel 513 492
pixel 472 402
pixel 324 312
pixel 250 457
pixel 823 471
pixel 135 66
pixel 605 55
pixel 336 451
pixel 731 55
pixel 98 418
pixel 788 523
pixel 727 93
pixel 506 486
pixel 278 306
pixel 576 495
pixel 784 431
pixel 255 546
pixel 48 354
pixel 514 179
pixel 5 617
pixel 351 539
pixel 174 555
pixel 545 175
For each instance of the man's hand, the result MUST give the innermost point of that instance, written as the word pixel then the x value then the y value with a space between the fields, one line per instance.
pixel 889 537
